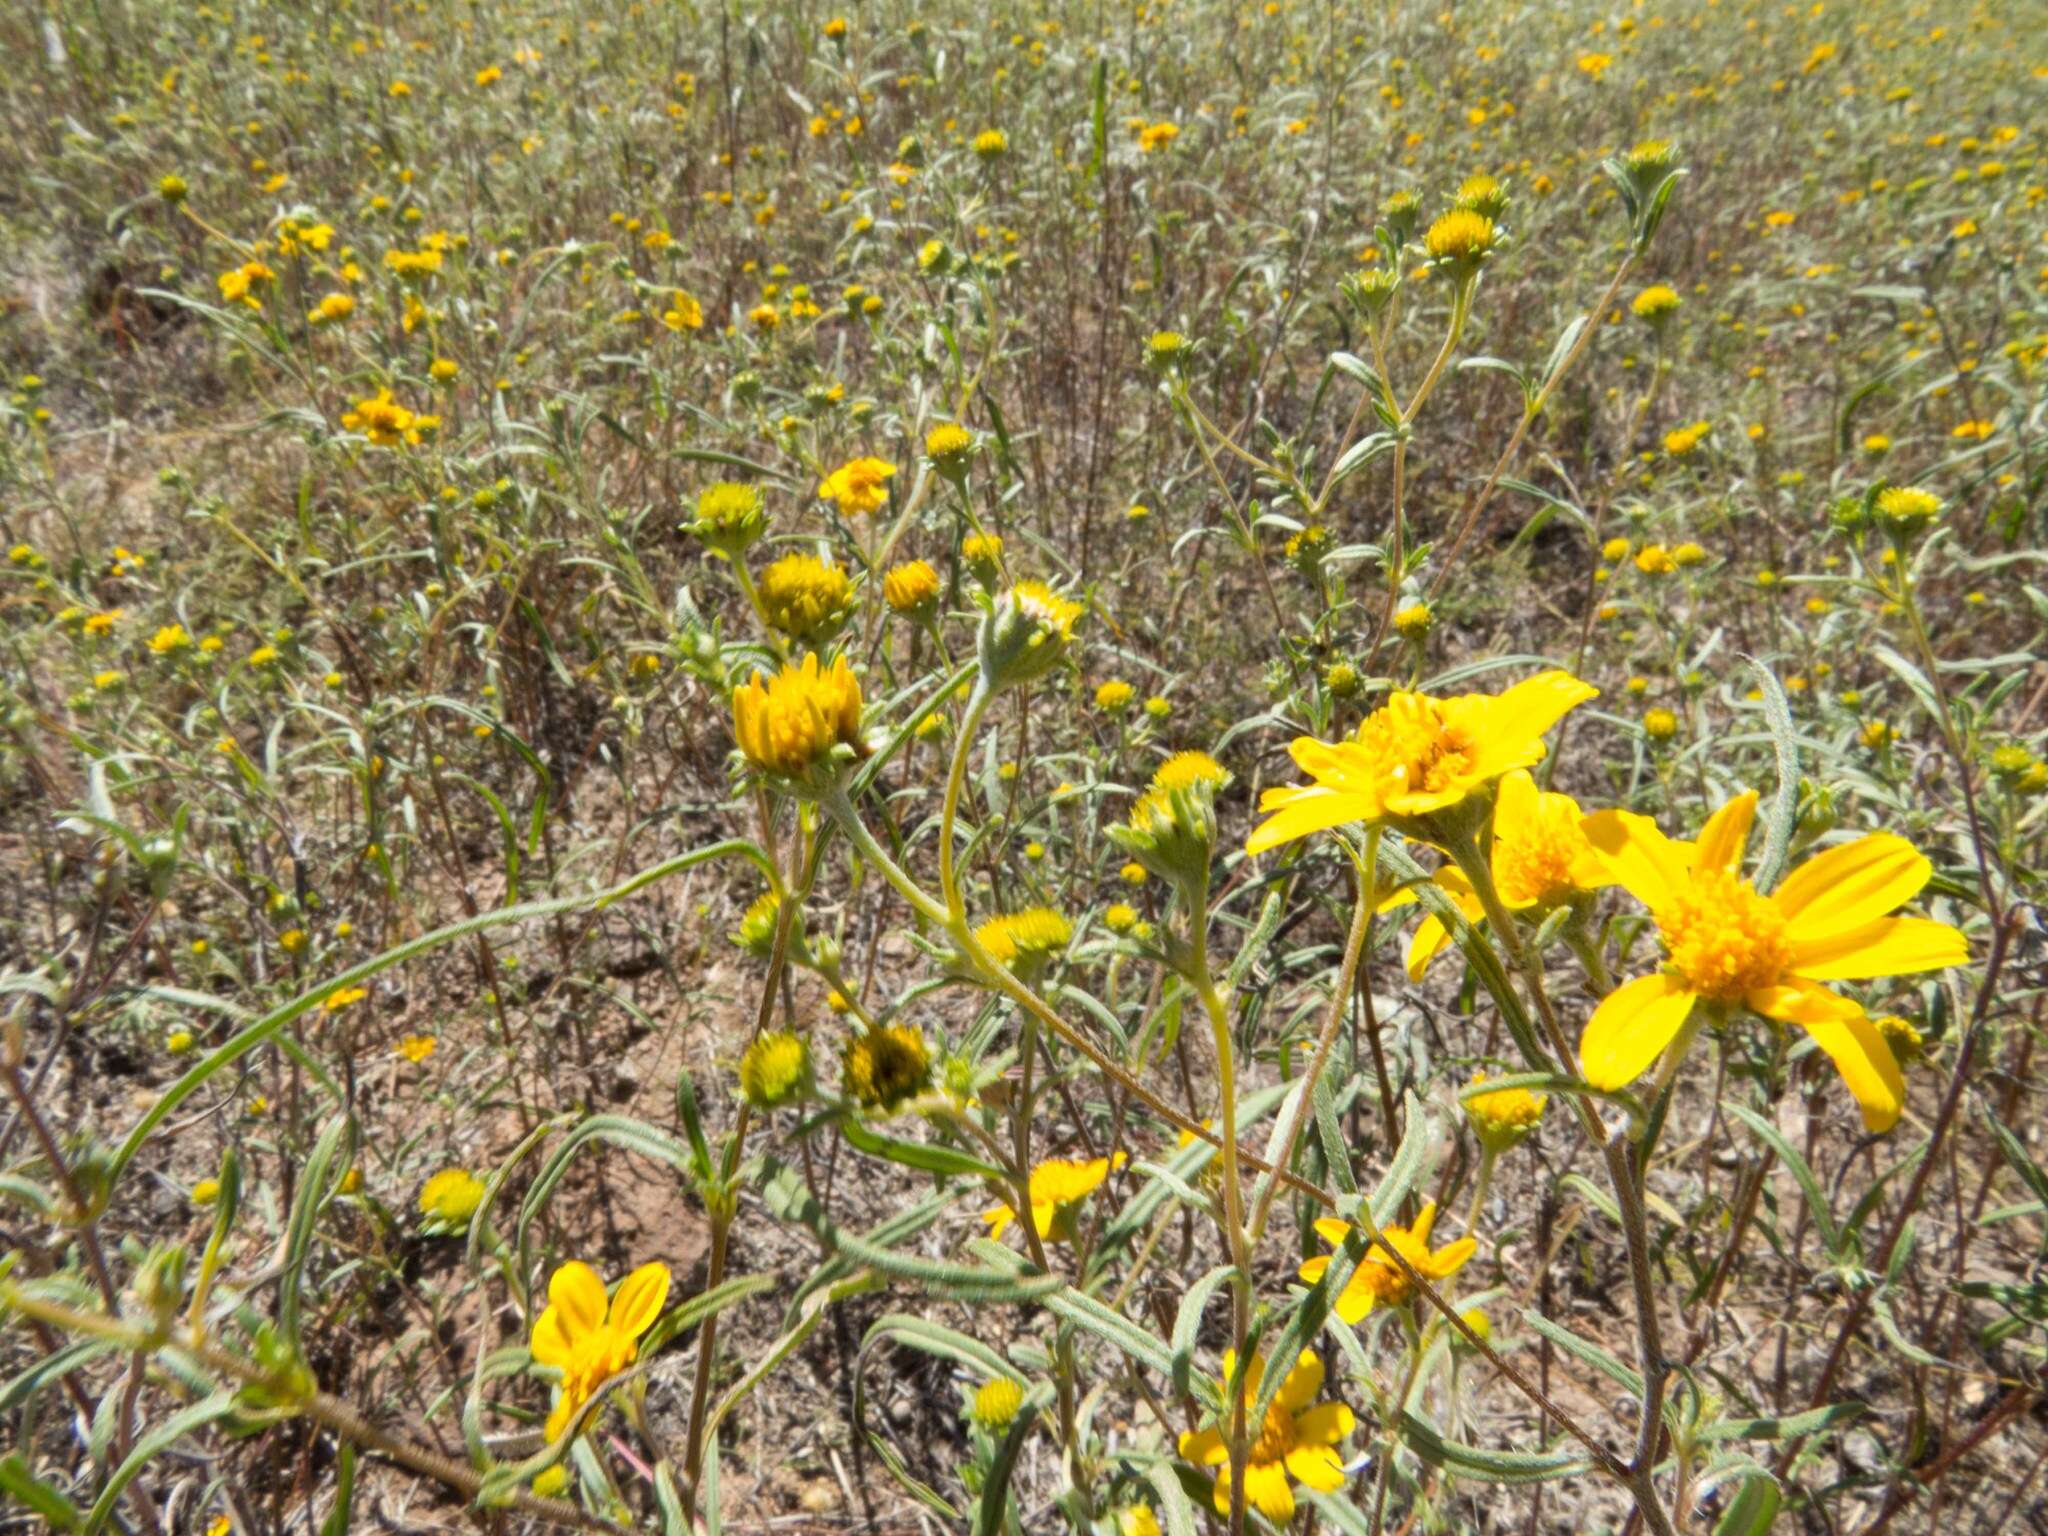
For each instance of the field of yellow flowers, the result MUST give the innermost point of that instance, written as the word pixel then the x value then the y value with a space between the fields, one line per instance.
pixel 1197 766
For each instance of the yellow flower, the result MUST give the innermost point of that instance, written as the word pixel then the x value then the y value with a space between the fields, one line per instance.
pixel 590 1339
pixel 885 1066
pixel 806 598
pixel 1114 696
pixel 1378 1282
pixel 1298 1441
pixel 1684 440
pixel 1655 302
pixel 206 1191
pixel 1727 944
pixel 684 313
pixel 1504 1116
pixel 385 422
pixel 452 1195
pixel 170 638
pixel 997 1402
pixel 991 143
pixel 859 485
pixel 1413 621
pixel 786 723
pixel 983 551
pixel 1540 860
pixel 417 1048
pixel 1036 931
pixel 1659 724
pixel 1154 136
pixel 242 285
pixel 911 587
pixel 1461 235
pixel 331 310
pixel 1058 1186
pixel 1415 756
pixel 948 446
pixel 1905 509
pixel 774 1069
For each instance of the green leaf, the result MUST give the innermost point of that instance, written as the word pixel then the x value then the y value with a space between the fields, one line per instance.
pixel 153 1444
pixel 21 1484
pixel 337 1521
pixel 1469 1461
pixel 1753 1510
pixel 1816 1201
pixel 928 1157
pixel 1585 1350
pixel 1187 1322
pixel 1795 1426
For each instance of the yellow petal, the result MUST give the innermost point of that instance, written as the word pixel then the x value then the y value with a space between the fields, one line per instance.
pixel 1649 865
pixel 1307 809
pixel 1267 1490
pixel 1204 1447
pixel 1357 1299
pixel 578 1300
pixel 1324 1424
pixel 1303 1382
pixel 1316 1466
pixel 1331 1230
pixel 550 1344
pixel 1312 1269
pixel 1631 1027
pixel 1517 719
pixel 1800 1002
pixel 1891 946
pixel 1515 807
pixel 1850 886
pixel 1450 1258
pixel 639 1300
pixel 1725 835
pixel 1424 1220
pixel 1430 938
pixel 1867 1066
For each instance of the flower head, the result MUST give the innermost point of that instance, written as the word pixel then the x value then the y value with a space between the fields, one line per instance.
pixel 387 423
pixel 1296 1443
pixel 790 721
pixel 1540 860
pixel 858 486
pixel 1416 757
pixel 1027 936
pixel 1728 945
pixel 997 1402
pixel 730 516
pixel 1058 1186
pixel 451 1196
pixel 885 1066
pixel 775 1068
pixel 1378 1281
pixel 1905 510
pixel 1505 1116
pixel 949 446
pixel 912 588
pixel 806 598
pixel 590 1338
pixel 1460 237
pixel 1656 303
pixel 1025 634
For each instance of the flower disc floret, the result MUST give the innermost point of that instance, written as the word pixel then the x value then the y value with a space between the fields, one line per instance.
pixel 885 1066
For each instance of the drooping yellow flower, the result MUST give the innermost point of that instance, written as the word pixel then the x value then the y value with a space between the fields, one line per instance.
pixel 786 723
pixel 1378 1281
pixel 1729 945
pixel 1541 859
pixel 1058 1186
pixel 591 1339
pixel 1036 931
pixel 1416 755
pixel 1296 1444
pixel 858 486
pixel 912 587
pixel 452 1195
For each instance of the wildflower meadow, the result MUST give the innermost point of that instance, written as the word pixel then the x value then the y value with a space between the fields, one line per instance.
pixel 1199 766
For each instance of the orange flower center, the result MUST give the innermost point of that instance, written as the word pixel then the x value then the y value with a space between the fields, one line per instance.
pixel 1534 866
pixel 1276 1438
pixel 1723 938
pixel 1412 748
